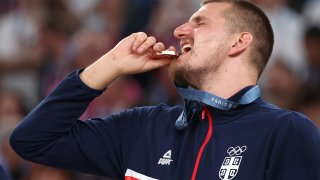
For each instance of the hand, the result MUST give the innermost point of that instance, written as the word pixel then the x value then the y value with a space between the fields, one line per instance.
pixel 134 54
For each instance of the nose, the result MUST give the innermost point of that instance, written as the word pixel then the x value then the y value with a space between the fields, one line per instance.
pixel 183 31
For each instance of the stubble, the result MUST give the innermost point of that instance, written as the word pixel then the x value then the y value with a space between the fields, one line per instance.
pixel 195 71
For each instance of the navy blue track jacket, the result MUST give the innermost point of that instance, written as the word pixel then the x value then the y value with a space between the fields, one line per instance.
pixel 257 141
pixel 3 174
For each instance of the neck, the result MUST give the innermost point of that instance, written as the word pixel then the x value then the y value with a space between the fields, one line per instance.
pixel 227 82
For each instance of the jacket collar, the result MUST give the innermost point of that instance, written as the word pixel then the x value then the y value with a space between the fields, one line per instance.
pixel 193 107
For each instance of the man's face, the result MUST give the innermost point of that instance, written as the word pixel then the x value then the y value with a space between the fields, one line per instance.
pixel 204 44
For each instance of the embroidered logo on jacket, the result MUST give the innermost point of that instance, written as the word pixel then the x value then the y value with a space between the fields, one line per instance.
pixel 230 165
pixel 166 159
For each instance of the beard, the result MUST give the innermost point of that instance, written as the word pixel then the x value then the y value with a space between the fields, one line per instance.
pixel 187 74
pixel 194 71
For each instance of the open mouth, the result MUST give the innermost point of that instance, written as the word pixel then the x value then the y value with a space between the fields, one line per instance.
pixel 186 48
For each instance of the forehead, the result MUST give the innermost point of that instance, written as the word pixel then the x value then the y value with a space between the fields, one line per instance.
pixel 210 11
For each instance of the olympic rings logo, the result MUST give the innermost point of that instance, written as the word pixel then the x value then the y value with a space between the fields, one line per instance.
pixel 236 150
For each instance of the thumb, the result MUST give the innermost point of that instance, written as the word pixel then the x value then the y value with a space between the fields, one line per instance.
pixel 155 64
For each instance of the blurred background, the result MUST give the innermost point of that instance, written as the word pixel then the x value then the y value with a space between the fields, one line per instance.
pixel 41 41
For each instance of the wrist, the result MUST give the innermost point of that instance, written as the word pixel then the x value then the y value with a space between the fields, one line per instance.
pixel 101 73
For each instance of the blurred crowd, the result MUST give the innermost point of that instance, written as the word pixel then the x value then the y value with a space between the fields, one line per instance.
pixel 41 41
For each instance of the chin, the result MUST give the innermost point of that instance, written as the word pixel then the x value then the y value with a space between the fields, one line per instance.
pixel 177 73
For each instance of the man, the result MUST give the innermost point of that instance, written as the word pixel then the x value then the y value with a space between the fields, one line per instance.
pixel 224 131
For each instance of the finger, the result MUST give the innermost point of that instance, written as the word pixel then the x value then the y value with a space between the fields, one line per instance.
pixel 150 41
pixel 155 64
pixel 172 48
pixel 140 38
pixel 158 47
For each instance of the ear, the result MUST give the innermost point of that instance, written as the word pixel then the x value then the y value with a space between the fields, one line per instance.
pixel 242 43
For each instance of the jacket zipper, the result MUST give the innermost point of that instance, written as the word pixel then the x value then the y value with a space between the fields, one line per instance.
pixel 205 112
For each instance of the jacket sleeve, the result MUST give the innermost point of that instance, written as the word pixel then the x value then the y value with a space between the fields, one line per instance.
pixel 296 149
pixel 52 133
pixel 3 174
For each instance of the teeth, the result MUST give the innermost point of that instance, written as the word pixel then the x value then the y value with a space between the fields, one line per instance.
pixel 186 48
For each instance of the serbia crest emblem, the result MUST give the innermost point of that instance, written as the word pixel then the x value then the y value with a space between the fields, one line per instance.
pixel 230 165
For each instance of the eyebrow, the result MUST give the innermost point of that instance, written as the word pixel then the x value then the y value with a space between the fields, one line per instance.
pixel 198 18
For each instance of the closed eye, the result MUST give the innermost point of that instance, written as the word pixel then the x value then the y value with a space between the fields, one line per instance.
pixel 199 20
